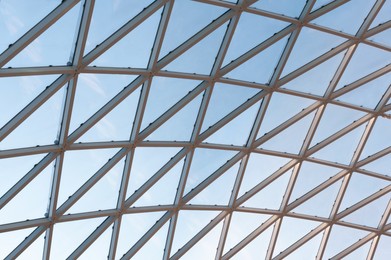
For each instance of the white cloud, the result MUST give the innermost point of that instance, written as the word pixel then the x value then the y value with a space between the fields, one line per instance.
pixel 93 83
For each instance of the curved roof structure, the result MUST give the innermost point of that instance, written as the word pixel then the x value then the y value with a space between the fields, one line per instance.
pixel 195 129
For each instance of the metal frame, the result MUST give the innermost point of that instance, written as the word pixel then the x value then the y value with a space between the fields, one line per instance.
pixel 80 63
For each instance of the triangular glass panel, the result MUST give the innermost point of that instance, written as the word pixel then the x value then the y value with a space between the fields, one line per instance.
pixel 382 37
pixel 10 240
pixel 164 191
pixel 291 230
pixel 51 47
pixel 366 59
pixel 361 186
pixel 320 4
pixel 316 80
pixel 383 248
pixel 204 163
pixel 40 128
pixel 14 168
pixel 270 197
pixel 93 92
pixel 379 139
pixel 334 118
pixel 134 49
pixel 23 89
pixel 141 171
pixel 310 176
pixel 117 124
pixel 62 246
pixel 257 248
pixel 281 108
pixel 260 67
pixel 35 250
pixel 180 126
pixel 133 227
pixel 242 224
pixel 259 167
pixel 340 238
pixel 290 140
pixel 186 19
pixel 225 98
pixel 18 19
pixel 374 209
pixel 219 191
pixel 380 165
pixel 190 223
pixel 201 57
pixel 320 204
pixel 369 94
pixel 308 250
pixel 238 130
pixel 250 31
pixel 78 167
pixel 206 247
pixel 359 253
pixel 383 15
pixel 346 145
pixel 348 17
pixel 309 45
pixel 117 12
pixel 163 94
pixel 31 202
pixel 284 7
pixel 154 248
pixel 103 195
pixel 99 248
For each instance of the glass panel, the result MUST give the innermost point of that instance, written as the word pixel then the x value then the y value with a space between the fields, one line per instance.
pixel 308 250
pixel 201 57
pixel 259 167
pixel 361 186
pixel 51 47
pixel 34 251
pixel 225 98
pixel 31 202
pixel 347 145
pixel 379 138
pixel 117 12
pixel 10 240
pixel 187 18
pixel 383 37
pixel 92 92
pixel 242 224
pixel 270 197
pixel 220 191
pixel 250 31
pixel 99 248
pixel 309 45
pixel 78 167
pixel 316 80
pixel 260 68
pixel 163 94
pixel 291 139
pixel 190 223
pixel 284 7
pixel 281 108
pixel 383 15
pixel 366 59
pixel 238 130
pixel 141 171
pixel 348 17
pixel 206 247
pixel 380 165
pixel 291 230
pixel 204 163
pixel 164 191
pixel 320 204
pixel 62 245
pixel 133 227
pixel 134 49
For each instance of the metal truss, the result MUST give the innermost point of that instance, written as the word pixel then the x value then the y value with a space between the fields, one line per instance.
pixel 80 63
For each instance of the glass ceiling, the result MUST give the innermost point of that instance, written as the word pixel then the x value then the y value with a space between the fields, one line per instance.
pixel 195 129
